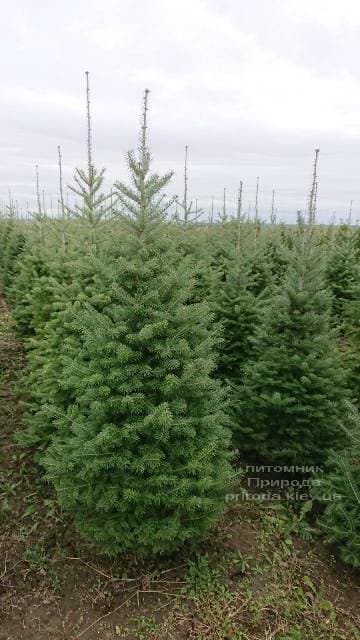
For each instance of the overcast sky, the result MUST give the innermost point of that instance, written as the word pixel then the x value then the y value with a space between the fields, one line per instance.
pixel 251 86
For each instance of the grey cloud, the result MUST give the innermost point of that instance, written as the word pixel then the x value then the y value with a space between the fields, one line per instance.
pixel 217 69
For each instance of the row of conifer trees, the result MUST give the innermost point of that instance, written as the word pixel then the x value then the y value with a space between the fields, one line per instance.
pixel 157 345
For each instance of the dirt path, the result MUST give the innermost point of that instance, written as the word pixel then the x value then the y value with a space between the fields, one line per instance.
pixel 251 580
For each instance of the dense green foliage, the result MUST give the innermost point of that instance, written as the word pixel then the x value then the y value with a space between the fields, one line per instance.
pixel 123 407
pixel 339 491
pixel 292 403
pixel 140 455
pixel 152 339
pixel 343 273
pixel 13 242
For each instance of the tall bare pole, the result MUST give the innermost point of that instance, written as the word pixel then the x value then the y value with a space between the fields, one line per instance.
pixel 239 202
pixel 238 216
pixel 313 191
pixel 190 214
pixel 89 141
pixel 38 189
pixel 257 200
pixel 273 212
pixel 186 183
pixel 62 203
pixel 11 205
pixel 144 128
pixel 315 198
pixel 111 203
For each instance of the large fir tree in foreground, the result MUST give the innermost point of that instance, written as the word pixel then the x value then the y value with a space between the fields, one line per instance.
pixel 141 457
pixel 292 404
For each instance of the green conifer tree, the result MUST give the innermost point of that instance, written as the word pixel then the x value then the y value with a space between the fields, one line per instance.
pixel 292 404
pixel 343 278
pixel 237 309
pixel 343 273
pixel 31 291
pixel 13 248
pixel 140 457
pixel 350 344
pixel 63 258
pixel 263 259
pixel 339 491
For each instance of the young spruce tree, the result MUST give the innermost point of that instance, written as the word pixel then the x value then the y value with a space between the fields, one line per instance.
pixel 13 249
pixel 59 271
pixel 343 274
pixel 140 457
pixel 237 308
pixel 343 278
pixel 292 404
pixel 339 491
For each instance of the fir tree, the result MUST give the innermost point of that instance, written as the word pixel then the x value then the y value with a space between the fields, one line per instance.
pixel 264 261
pixel 64 274
pixel 292 404
pixel 339 491
pixel 93 205
pixel 350 343
pixel 31 292
pixel 343 277
pixel 237 308
pixel 140 457
pixel 276 257
pixel 343 274
pixel 13 247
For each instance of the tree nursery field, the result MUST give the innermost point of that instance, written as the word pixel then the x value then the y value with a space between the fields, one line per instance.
pixel 180 431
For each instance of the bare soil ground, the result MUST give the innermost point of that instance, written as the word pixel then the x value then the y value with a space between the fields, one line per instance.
pixel 254 578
